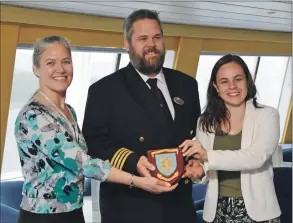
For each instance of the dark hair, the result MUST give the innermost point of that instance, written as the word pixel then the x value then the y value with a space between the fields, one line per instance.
pixel 216 111
pixel 139 15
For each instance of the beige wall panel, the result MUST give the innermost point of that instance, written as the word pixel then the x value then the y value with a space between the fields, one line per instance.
pixel 29 35
pixel 247 47
pixel 9 38
pixel 59 19
pixel 172 42
pixel 71 20
pixel 188 55
pixel 226 33
pixel 287 137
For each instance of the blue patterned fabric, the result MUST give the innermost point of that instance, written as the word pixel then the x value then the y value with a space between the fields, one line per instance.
pixel 54 160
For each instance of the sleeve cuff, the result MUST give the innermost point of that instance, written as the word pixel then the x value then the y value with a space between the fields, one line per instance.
pixel 206 167
pixel 125 159
pixel 131 163
pixel 211 160
pixel 107 169
pixel 204 178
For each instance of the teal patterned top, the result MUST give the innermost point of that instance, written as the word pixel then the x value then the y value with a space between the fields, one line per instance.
pixel 54 160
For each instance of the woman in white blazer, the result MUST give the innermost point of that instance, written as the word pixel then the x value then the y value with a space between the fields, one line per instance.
pixel 235 140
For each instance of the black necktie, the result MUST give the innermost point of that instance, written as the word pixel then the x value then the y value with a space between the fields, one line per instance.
pixel 160 97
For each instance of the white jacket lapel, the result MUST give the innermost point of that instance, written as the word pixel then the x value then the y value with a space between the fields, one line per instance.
pixel 248 123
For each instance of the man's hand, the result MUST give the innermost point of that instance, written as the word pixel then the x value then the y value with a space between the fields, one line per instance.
pixel 144 167
pixel 193 169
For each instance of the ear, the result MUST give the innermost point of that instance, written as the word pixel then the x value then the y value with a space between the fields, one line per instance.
pixel 215 86
pixel 35 71
pixel 126 45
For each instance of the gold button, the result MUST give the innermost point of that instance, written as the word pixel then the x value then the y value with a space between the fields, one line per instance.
pixel 186 181
pixel 141 139
pixel 191 131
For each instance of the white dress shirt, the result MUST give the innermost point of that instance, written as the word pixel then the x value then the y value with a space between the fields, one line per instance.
pixel 162 85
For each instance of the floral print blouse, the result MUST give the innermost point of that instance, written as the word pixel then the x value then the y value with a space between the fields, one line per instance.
pixel 54 160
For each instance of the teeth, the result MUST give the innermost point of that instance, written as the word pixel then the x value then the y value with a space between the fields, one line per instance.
pixel 59 78
pixel 233 94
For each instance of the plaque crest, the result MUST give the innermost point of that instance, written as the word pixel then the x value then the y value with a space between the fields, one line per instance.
pixel 169 164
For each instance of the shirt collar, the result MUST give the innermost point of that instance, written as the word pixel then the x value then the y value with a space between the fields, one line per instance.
pixel 160 76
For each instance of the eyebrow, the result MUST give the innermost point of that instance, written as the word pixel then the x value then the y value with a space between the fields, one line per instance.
pixel 67 58
pixel 238 75
pixel 157 34
pixel 142 36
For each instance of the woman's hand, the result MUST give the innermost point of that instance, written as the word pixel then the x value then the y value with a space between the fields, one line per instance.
pixel 153 185
pixel 194 148
pixel 193 170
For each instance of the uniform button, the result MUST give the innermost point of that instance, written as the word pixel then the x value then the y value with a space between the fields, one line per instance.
pixel 141 139
pixel 191 131
pixel 186 181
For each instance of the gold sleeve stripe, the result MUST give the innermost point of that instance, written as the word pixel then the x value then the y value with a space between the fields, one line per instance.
pixel 118 158
pixel 124 159
pixel 121 159
pixel 116 154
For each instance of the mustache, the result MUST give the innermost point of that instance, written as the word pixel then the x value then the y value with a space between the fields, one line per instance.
pixel 151 50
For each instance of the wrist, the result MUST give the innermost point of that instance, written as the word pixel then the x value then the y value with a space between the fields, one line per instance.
pixel 132 184
pixel 205 157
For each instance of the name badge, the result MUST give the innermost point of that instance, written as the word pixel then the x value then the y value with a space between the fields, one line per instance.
pixel 178 101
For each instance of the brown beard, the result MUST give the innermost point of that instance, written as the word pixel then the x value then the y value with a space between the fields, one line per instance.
pixel 142 65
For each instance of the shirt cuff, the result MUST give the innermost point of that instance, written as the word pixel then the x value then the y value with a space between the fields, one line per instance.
pixel 203 178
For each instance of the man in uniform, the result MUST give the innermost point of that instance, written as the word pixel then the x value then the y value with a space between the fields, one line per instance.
pixel 141 107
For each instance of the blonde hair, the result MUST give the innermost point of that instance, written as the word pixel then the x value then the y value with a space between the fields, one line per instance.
pixel 42 44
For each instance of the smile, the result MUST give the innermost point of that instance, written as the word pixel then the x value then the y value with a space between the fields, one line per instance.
pixel 233 94
pixel 152 54
pixel 60 78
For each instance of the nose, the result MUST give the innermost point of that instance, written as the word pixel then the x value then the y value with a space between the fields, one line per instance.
pixel 60 68
pixel 151 42
pixel 232 84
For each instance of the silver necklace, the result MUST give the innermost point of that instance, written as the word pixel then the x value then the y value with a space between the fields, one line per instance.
pixel 59 110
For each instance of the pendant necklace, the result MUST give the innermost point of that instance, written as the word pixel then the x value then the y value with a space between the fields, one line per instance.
pixel 70 124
